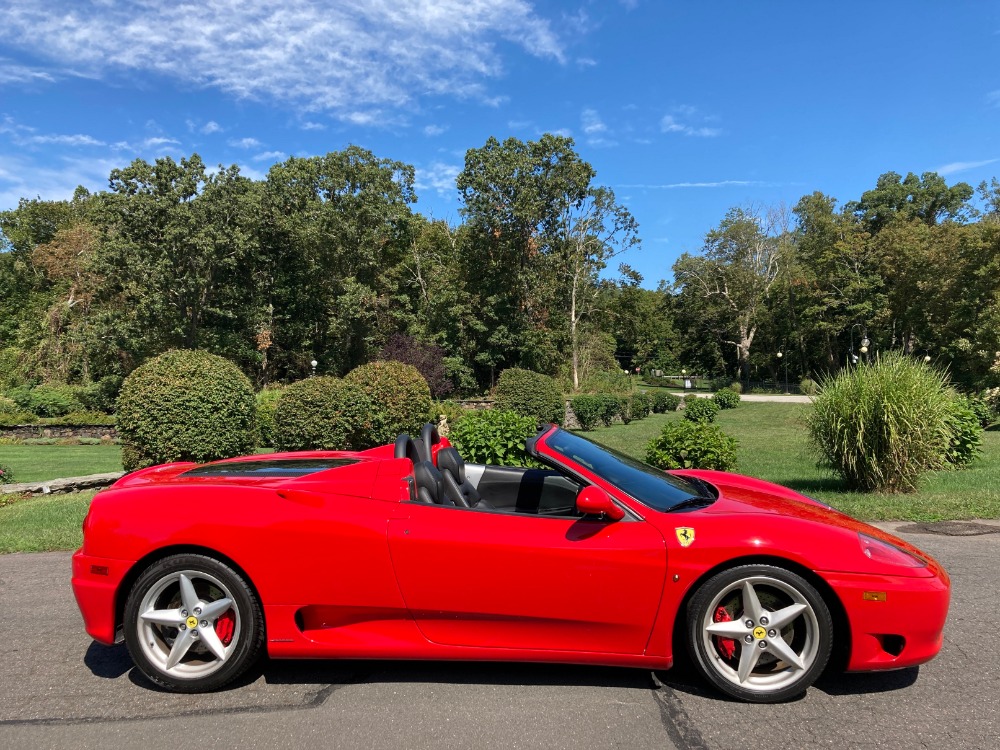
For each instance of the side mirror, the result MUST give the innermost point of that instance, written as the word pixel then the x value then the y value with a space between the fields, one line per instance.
pixel 594 501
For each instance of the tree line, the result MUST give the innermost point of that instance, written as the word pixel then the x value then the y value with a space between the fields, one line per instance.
pixel 325 260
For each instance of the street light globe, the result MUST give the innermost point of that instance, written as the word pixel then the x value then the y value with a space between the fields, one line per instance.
pixel 927 358
pixel 780 355
pixel 864 349
pixel 683 371
pixel 314 363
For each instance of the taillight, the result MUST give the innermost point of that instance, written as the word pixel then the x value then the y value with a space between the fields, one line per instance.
pixel 888 554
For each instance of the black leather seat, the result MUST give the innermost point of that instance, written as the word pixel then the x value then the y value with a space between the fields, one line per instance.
pixel 430 484
pixel 455 485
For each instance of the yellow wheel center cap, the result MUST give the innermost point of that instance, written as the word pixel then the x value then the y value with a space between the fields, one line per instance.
pixel 759 633
pixel 192 623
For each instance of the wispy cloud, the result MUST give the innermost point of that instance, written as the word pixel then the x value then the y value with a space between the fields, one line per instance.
pixel 439 177
pixel 341 57
pixel 11 72
pixel 211 127
pixel 244 143
pixel 687 120
pixel 963 166
pixel 433 130
pixel 592 122
pixel 271 156
pixel 24 135
pixel 307 125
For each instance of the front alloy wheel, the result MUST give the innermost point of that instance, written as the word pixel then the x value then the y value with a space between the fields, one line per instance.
pixel 192 624
pixel 759 633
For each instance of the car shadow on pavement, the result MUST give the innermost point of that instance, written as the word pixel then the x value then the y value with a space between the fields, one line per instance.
pixel 859 683
pixel 109 662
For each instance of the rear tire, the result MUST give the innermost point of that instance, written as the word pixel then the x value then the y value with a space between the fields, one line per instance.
pixel 759 633
pixel 192 624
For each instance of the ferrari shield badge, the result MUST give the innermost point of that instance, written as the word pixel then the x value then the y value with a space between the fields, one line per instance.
pixel 685 535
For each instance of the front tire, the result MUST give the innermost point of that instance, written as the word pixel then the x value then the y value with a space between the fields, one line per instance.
pixel 192 624
pixel 759 633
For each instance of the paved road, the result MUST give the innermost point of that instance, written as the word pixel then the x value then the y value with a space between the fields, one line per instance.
pixel 58 689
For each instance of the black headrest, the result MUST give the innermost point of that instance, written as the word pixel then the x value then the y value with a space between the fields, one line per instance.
pixel 428 478
pixel 429 437
pixel 449 460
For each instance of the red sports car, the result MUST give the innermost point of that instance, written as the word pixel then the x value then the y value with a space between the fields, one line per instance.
pixel 405 552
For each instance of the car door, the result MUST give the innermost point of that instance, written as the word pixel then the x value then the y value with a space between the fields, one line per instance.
pixel 515 580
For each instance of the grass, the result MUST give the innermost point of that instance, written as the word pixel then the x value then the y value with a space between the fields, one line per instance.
pixel 47 522
pixel 773 445
pixel 38 463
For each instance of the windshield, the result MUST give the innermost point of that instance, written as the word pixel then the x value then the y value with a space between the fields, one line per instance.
pixel 649 486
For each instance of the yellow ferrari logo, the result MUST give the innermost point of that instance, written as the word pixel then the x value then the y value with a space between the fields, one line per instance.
pixel 759 633
pixel 685 535
pixel 192 622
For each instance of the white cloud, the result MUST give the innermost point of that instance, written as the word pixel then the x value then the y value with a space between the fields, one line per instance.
pixel 65 140
pixel 11 72
pixel 341 56
pixel 592 123
pixel 963 166
pixel 211 127
pixel 432 130
pixel 438 176
pixel 312 126
pixel 244 143
pixel 157 141
pixel 271 156
pixel 687 120
pixel 21 177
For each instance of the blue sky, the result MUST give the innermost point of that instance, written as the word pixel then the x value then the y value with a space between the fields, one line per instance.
pixel 684 108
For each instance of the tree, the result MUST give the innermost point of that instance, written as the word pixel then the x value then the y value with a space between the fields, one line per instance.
pixel 739 265
pixel 926 198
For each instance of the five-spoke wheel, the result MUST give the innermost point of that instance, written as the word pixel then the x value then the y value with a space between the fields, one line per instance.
pixel 192 623
pixel 759 633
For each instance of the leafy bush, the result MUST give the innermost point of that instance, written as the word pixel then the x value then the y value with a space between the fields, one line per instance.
pixel 965 443
pixel 701 410
pixel 6 475
pixel 8 406
pixel 610 407
pixel 664 402
pixel 185 406
pixel 736 386
pixel 809 387
pixel 267 405
pixel 12 370
pixel 692 445
pixel 607 381
pixel 46 400
pixel 100 396
pixel 323 413
pixel 882 425
pixel 726 398
pixel 429 360
pixel 11 419
pixel 530 394
pixel 450 410
pixel 983 411
pixel 625 409
pixel 587 409
pixel 493 437
pixel 642 405
pixel 82 418
pixel 717 384
pixel 399 399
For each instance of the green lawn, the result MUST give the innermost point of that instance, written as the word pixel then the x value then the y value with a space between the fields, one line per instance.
pixel 773 445
pixel 46 522
pixel 37 463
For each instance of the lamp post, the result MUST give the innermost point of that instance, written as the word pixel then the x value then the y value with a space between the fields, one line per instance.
pixel 684 380
pixel 313 365
pixel 781 358
pixel 864 343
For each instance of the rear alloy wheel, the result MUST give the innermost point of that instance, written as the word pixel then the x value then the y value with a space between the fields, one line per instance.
pixel 759 633
pixel 192 624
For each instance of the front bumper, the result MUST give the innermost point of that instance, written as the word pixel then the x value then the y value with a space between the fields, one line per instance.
pixel 895 621
pixel 95 586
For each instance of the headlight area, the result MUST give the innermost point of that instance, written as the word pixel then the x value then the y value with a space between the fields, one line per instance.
pixel 885 553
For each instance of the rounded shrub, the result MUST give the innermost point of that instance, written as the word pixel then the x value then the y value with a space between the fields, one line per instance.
pixel 664 401
pixel 692 445
pixel 267 406
pixel 493 437
pixel 610 408
pixel 642 405
pixel 323 413
pixel 808 387
pixel 726 398
pixel 529 394
pixel 978 403
pixel 587 409
pixel 6 475
pixel 881 425
pixel 398 395
pixel 48 399
pixel 185 406
pixel 966 439
pixel 700 410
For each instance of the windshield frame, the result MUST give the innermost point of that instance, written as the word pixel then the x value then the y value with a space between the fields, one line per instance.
pixel 650 487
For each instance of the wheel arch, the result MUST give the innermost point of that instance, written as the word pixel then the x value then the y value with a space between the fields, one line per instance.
pixel 841 625
pixel 142 564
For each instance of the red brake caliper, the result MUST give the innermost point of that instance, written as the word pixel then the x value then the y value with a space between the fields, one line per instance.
pixel 726 646
pixel 224 626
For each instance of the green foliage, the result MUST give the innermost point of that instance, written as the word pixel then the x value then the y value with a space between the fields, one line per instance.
pixel 883 425
pixel 642 405
pixel 10 419
pixel 726 398
pixel 493 437
pixel 979 404
pixel 399 397
pixel 687 444
pixel 966 440
pixel 588 410
pixel 323 413
pixel 607 381
pixel 8 405
pixel 452 411
pixel 610 407
pixel 6 475
pixel 81 418
pixel 11 369
pixel 530 394
pixel 47 400
pixel 664 402
pixel 267 406
pixel 809 387
pixel 185 406
pixel 100 396
pixel 700 410
pixel 626 410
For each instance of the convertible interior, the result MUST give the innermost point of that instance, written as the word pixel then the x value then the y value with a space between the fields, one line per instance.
pixel 504 489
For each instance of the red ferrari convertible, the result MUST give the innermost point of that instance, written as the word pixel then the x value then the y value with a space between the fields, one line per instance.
pixel 406 552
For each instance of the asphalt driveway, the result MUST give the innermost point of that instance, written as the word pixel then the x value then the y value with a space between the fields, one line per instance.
pixel 59 689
